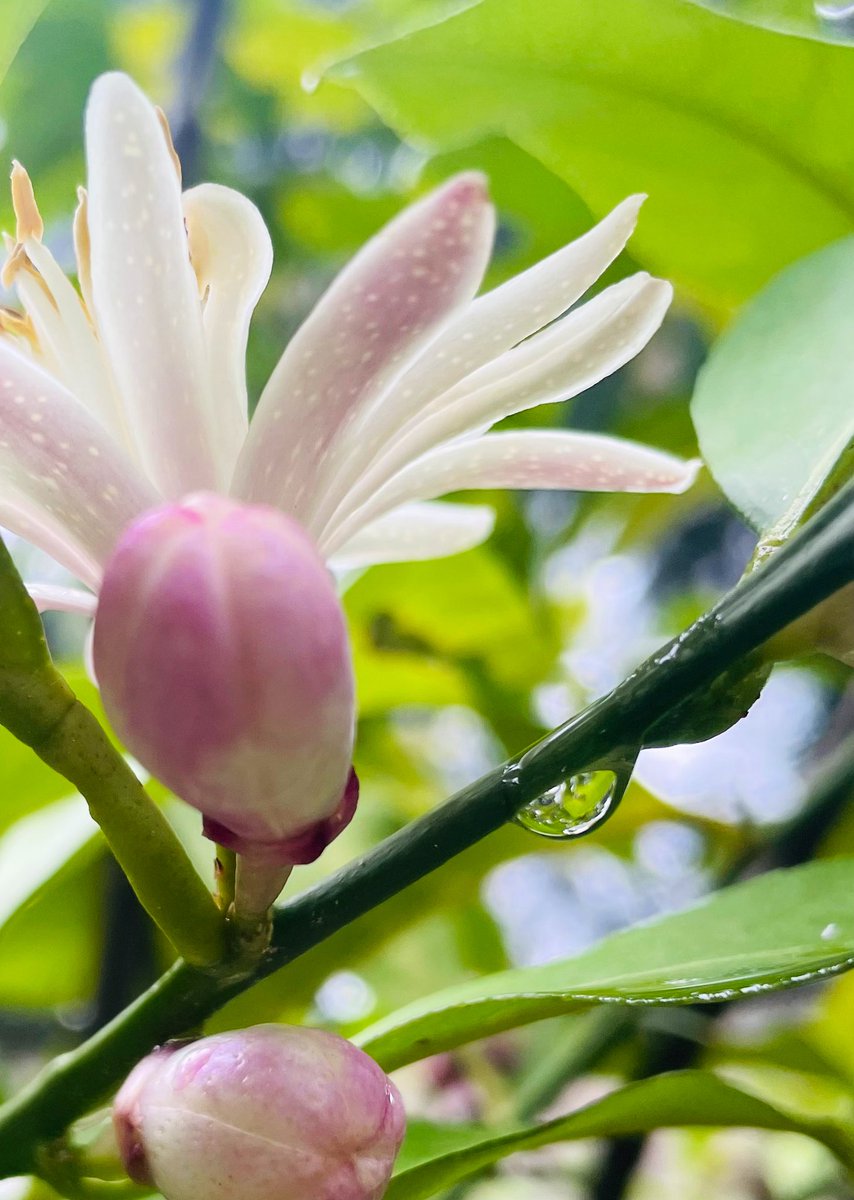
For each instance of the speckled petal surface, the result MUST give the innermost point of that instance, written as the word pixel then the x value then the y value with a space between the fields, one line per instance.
pixel 389 303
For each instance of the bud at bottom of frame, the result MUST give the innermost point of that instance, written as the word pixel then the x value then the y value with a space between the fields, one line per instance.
pixel 270 1113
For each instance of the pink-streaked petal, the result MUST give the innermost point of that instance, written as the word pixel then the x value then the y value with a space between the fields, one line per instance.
pixel 52 597
pixel 28 520
pixel 416 531
pixel 492 324
pixel 381 311
pixel 232 257
pixel 62 460
pixel 569 356
pixel 530 459
pixel 145 293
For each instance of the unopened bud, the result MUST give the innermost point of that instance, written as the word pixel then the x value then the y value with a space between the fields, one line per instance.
pixel 270 1113
pixel 223 660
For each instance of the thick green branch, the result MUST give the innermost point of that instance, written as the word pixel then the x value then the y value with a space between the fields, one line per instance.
pixel 812 566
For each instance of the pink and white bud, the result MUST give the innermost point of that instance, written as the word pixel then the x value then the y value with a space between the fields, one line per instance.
pixel 223 660
pixel 270 1113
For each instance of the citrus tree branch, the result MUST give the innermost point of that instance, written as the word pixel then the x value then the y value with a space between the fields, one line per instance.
pixel 814 564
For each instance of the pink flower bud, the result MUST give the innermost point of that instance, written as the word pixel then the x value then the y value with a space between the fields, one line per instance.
pixel 222 656
pixel 270 1113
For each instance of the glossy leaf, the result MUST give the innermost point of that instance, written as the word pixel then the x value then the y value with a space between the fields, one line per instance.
pixel 773 407
pixel 18 20
pixel 738 134
pixel 39 846
pixel 435 1157
pixel 775 931
pixel 49 906
pixel 466 607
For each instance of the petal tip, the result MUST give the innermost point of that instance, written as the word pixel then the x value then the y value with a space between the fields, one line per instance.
pixel 693 467
pixel 468 189
pixel 660 290
pixel 114 82
pixel 110 94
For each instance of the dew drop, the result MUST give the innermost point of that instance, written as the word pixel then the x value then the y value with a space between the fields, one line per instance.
pixel 830 932
pixel 572 808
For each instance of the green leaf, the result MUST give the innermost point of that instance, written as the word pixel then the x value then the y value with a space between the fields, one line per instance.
pixel 49 906
pixel 18 20
pixel 389 679
pixel 772 406
pixel 42 101
pixel 37 847
pixel 467 607
pixel 776 931
pixel 739 135
pixel 435 1157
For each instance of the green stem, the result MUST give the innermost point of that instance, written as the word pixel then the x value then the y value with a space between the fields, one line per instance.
pixel 144 843
pixel 225 867
pixel 818 561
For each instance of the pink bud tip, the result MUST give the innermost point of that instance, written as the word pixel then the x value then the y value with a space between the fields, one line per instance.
pixel 270 1113
pixel 223 660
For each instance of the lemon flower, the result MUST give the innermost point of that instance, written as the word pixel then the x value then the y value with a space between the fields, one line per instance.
pixel 131 390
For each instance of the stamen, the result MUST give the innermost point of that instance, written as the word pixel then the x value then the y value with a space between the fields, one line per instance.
pixel 83 249
pixel 18 325
pixel 29 219
pixel 16 259
pixel 167 133
pixel 18 262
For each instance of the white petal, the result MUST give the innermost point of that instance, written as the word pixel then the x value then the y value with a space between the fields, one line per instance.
pixel 52 597
pixel 232 256
pixel 30 521
pixel 416 531
pixel 64 327
pixel 144 290
pixel 60 458
pixel 529 459
pixel 492 324
pixel 381 311
pixel 566 358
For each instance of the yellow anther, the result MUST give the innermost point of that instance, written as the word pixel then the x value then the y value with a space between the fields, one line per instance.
pixel 83 247
pixel 16 260
pixel 18 325
pixel 29 219
pixel 167 133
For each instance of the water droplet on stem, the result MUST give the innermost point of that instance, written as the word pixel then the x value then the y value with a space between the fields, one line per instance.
pixel 574 807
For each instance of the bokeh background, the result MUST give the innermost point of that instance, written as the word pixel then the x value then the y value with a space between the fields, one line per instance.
pixel 459 662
